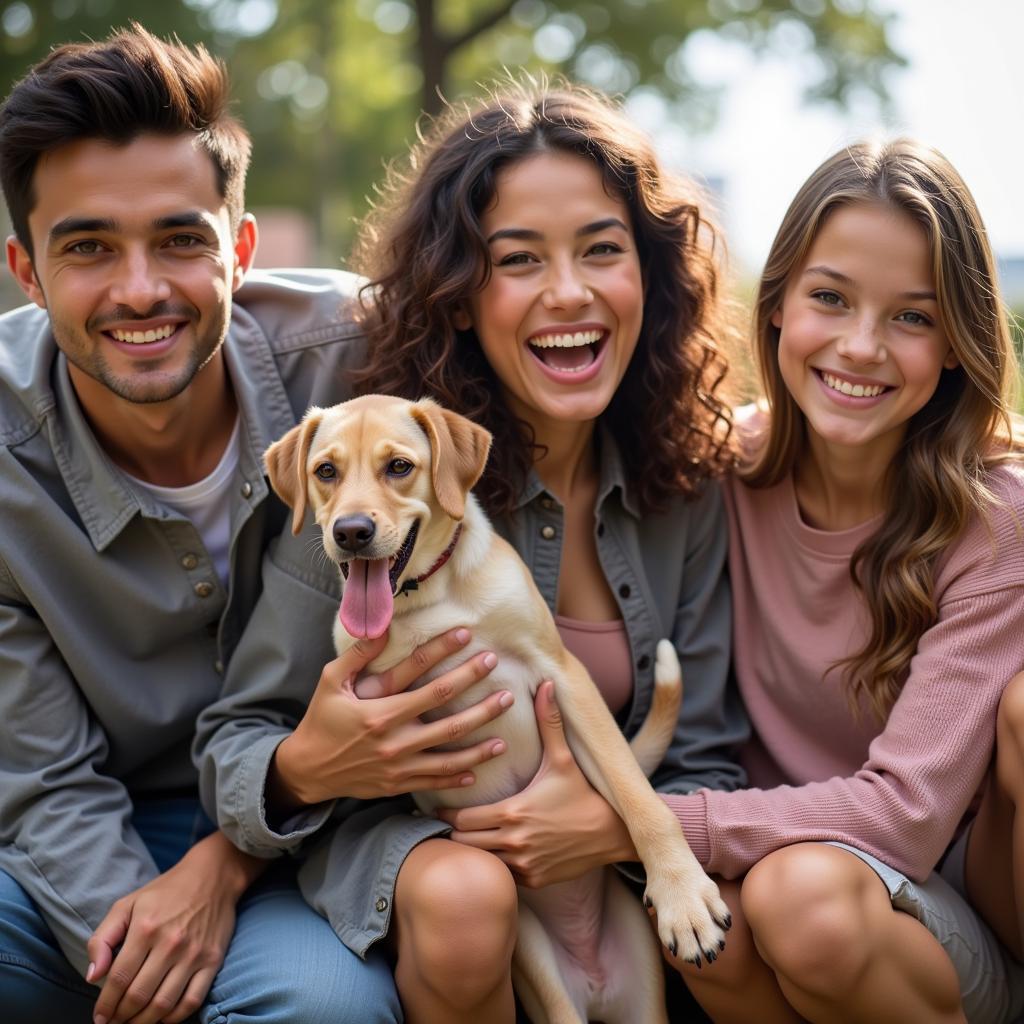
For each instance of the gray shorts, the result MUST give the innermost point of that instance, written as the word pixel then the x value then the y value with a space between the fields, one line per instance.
pixel 991 980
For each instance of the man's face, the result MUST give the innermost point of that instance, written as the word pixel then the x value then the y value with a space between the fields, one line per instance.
pixel 134 261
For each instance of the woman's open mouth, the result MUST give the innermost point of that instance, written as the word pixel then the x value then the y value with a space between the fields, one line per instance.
pixel 568 353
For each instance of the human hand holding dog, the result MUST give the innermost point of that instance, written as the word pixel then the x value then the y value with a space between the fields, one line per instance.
pixel 558 827
pixel 173 933
pixel 364 738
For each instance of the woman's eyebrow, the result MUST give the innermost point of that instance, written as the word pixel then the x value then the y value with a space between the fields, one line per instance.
pixel 529 235
pixel 923 293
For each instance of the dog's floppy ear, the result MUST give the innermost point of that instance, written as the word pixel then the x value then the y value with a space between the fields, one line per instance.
pixel 285 460
pixel 458 449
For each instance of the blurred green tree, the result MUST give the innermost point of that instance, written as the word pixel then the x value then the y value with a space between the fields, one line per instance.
pixel 331 90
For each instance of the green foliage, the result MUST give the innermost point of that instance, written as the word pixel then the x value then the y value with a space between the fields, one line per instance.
pixel 331 89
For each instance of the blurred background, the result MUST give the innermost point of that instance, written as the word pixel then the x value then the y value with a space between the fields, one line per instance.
pixel 747 95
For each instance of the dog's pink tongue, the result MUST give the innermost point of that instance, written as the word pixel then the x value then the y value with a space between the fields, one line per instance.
pixel 367 603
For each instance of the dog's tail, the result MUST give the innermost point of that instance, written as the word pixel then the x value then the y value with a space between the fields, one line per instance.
pixel 655 735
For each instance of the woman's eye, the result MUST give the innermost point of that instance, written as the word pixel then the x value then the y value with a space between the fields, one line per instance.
pixel 828 298
pixel 325 471
pixel 399 467
pixel 604 249
pixel 515 259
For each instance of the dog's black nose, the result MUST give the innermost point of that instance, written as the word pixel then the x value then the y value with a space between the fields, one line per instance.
pixel 353 533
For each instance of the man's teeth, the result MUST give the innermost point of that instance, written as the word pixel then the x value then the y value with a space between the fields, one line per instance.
pixel 857 390
pixel 144 337
pixel 566 340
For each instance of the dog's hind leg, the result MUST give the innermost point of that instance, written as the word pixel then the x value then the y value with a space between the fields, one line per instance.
pixel 536 976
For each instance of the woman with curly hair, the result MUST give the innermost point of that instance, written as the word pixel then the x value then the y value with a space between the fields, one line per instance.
pixel 877 564
pixel 537 270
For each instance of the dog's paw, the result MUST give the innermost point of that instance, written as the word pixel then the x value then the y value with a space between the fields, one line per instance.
pixel 692 916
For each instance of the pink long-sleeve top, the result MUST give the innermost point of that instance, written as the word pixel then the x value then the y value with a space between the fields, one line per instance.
pixel 818 772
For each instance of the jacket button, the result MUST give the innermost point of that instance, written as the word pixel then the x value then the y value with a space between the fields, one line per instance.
pixel 218 667
pixel 381 905
pixel 246 489
pixel 643 662
pixel 203 589
pixel 600 529
pixel 624 590
pixel 189 561
pixel 547 503
pixel 547 532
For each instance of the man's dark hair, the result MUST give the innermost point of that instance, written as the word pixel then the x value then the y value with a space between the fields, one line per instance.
pixel 127 85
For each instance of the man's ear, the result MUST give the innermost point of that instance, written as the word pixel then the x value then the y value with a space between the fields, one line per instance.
pixel 286 459
pixel 23 271
pixel 245 249
pixel 458 449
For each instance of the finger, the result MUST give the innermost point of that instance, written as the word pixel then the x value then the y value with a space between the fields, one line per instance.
pixel 453 728
pixel 549 717
pixel 343 670
pixel 409 669
pixel 489 839
pixel 114 1003
pixel 474 819
pixel 193 996
pixel 456 762
pixel 108 936
pixel 166 996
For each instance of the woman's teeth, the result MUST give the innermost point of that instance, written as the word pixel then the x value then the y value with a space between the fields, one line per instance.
pixel 857 390
pixel 566 340
pixel 144 337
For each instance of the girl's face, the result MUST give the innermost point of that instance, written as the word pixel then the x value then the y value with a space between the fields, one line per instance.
pixel 560 316
pixel 861 344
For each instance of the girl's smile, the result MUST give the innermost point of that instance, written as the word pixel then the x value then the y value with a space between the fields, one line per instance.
pixel 861 344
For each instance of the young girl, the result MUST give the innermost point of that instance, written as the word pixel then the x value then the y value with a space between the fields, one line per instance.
pixel 877 565
pixel 538 272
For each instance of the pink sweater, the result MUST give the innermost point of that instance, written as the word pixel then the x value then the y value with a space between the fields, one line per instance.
pixel 896 791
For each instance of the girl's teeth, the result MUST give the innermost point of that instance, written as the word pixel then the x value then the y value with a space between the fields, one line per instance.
pixel 856 390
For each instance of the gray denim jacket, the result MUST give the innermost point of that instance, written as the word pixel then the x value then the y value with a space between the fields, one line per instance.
pixel 114 625
pixel 667 574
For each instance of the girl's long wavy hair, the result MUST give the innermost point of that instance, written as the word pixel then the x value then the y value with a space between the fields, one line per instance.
pixel 424 253
pixel 938 479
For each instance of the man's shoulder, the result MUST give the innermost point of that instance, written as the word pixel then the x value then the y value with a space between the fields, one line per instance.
pixel 27 351
pixel 301 308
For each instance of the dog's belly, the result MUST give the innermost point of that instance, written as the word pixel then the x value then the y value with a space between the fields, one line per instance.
pixel 510 772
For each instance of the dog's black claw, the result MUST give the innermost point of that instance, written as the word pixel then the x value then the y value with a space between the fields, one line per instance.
pixel 673 947
pixel 710 955
pixel 648 902
pixel 721 944
pixel 727 923
pixel 696 961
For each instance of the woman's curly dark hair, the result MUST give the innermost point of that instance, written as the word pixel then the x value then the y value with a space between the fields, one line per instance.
pixel 424 253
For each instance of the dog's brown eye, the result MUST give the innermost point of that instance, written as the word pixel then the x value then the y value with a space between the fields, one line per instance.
pixel 399 467
pixel 325 471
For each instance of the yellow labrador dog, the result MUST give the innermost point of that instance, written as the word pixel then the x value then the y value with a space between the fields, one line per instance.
pixel 388 482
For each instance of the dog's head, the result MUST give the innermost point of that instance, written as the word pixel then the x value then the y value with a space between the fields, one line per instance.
pixel 385 479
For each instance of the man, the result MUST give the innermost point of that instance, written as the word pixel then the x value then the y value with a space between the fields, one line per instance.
pixel 137 396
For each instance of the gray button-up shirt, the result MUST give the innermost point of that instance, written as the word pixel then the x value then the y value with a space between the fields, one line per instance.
pixel 114 624
pixel 667 574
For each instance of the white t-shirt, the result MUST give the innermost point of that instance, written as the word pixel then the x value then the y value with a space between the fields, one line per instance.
pixel 207 503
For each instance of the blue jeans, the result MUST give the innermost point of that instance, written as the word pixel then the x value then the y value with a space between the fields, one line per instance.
pixel 284 965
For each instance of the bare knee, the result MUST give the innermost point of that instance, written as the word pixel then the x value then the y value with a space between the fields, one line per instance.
pixel 456 910
pixel 810 908
pixel 1010 735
